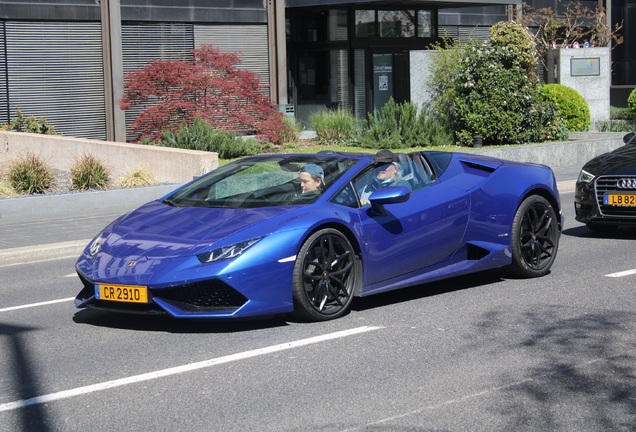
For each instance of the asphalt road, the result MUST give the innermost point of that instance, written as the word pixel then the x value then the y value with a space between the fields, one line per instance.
pixel 478 353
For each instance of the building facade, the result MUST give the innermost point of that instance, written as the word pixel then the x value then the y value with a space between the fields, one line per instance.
pixel 623 12
pixel 65 60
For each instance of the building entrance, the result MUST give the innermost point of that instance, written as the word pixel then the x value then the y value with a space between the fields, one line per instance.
pixel 352 57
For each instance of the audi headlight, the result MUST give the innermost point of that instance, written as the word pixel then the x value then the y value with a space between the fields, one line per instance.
pixel 227 252
pixel 585 177
pixel 96 245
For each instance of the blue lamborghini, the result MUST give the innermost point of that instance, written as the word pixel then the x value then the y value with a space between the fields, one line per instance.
pixel 305 234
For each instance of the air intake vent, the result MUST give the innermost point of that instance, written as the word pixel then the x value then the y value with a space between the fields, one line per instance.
pixel 211 295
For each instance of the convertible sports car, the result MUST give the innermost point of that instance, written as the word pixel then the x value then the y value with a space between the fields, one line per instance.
pixel 605 195
pixel 243 240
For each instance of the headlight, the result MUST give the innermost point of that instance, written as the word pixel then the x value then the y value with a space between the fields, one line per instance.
pixel 585 177
pixel 96 246
pixel 227 252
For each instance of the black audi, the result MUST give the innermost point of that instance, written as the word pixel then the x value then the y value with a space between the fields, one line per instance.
pixel 605 195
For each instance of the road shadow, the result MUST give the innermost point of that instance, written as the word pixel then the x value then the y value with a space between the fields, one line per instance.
pixel 623 232
pixel 582 369
pixel 168 324
pixel 428 289
pixel 24 379
pixel 165 323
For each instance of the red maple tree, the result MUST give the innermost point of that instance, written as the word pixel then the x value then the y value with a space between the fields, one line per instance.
pixel 209 86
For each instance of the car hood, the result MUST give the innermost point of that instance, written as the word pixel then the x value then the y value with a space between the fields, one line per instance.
pixel 156 230
pixel 621 161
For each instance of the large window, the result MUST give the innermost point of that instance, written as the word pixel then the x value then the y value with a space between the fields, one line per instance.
pixel 394 23
pixel 322 26
pixel 365 23
pixel 425 23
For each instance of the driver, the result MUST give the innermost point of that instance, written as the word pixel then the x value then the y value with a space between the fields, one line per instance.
pixel 312 179
pixel 389 173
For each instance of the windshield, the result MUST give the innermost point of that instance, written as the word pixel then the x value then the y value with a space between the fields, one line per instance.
pixel 263 182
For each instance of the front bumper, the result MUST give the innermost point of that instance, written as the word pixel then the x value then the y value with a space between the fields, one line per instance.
pixel 590 207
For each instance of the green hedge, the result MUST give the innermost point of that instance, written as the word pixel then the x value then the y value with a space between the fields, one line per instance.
pixel 570 104
pixel 400 125
pixel 201 136
pixel 631 104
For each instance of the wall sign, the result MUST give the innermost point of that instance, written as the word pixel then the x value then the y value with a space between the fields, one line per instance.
pixel 585 66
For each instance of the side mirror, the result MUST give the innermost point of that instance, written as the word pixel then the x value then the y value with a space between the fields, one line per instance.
pixel 390 195
pixel 629 138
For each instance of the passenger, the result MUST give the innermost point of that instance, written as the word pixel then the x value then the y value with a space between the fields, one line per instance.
pixel 311 179
pixel 390 173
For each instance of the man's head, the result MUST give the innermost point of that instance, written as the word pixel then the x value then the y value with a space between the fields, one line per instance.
pixel 386 173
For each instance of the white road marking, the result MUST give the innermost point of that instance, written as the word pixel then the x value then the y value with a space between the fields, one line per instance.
pixel 71 275
pixel 37 304
pixel 181 369
pixel 622 274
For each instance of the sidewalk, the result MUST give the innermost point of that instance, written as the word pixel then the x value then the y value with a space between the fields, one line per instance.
pixel 54 235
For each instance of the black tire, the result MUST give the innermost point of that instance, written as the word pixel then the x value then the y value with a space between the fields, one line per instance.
pixel 535 238
pixel 601 228
pixel 325 276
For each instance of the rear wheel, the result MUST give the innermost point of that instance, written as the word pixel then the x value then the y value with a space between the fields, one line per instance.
pixel 535 238
pixel 325 276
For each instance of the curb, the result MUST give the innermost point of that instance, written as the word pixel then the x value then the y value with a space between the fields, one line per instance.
pixel 566 186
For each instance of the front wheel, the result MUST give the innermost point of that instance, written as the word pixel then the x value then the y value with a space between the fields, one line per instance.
pixel 325 276
pixel 535 238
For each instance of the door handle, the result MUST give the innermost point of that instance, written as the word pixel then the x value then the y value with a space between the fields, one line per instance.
pixel 457 204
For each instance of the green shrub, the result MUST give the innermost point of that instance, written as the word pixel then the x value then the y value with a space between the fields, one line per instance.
pixel 29 124
pixel 30 174
pixel 511 35
pixel 496 98
pixel 334 127
pixel 617 113
pixel 201 136
pixel 398 125
pixel 571 106
pixel 136 177
pixel 490 88
pixel 89 172
pixel 290 133
pixel 6 191
pixel 631 104
pixel 615 126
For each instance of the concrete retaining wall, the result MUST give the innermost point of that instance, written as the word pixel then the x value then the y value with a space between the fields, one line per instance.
pixel 168 165
pixel 562 154
pixel 584 147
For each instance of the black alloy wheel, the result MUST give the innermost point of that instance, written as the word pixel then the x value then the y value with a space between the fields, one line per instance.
pixel 535 238
pixel 325 276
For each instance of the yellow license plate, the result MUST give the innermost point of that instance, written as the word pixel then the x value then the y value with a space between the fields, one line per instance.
pixel 620 199
pixel 122 293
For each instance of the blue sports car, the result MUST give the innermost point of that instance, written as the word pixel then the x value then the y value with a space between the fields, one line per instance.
pixel 305 234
